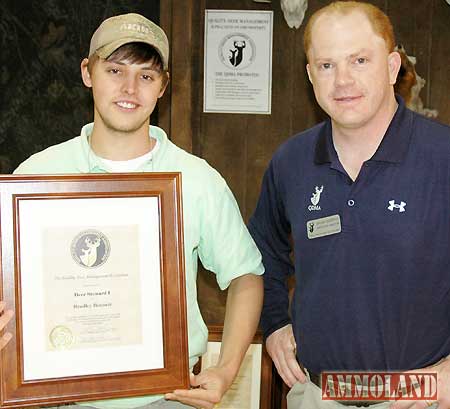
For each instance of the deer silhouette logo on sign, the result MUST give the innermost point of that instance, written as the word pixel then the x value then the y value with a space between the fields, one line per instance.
pixel 237 51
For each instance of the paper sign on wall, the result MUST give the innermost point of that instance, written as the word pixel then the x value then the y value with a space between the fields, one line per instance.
pixel 238 61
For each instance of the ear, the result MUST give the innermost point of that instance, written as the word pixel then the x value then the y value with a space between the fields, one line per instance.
pixel 164 85
pixel 85 75
pixel 308 70
pixel 394 63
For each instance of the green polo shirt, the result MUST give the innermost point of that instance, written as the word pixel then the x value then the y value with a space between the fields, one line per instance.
pixel 213 227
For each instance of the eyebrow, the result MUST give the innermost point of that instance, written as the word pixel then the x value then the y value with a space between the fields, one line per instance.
pixel 359 52
pixel 149 68
pixel 114 62
pixel 322 59
pixel 145 68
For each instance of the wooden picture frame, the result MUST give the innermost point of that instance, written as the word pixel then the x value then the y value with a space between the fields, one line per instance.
pixel 265 371
pixel 38 211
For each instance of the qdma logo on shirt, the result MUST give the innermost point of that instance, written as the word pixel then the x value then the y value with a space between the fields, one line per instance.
pixel 315 198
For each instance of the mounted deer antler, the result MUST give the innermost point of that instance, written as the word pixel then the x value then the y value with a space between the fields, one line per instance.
pixel 293 10
pixel 409 84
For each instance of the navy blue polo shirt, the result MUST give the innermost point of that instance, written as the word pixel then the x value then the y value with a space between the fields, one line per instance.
pixel 375 296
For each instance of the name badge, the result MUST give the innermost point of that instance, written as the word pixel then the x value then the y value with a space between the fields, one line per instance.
pixel 323 227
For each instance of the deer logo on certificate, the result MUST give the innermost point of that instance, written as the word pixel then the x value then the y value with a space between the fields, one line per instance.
pixel 90 248
pixel 92 284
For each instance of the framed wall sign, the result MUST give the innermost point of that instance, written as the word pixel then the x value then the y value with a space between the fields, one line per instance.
pixel 93 268
pixel 238 61
pixel 252 387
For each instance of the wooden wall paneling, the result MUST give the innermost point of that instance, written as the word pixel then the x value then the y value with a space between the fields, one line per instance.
pixel 182 111
pixel 223 139
pixel 224 147
pixel 267 132
pixel 197 74
pixel 382 4
pixel 164 104
pixel 178 111
pixel 211 300
pixel 439 61
pixel 404 23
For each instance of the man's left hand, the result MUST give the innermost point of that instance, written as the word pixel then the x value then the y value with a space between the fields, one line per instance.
pixel 443 388
pixel 208 387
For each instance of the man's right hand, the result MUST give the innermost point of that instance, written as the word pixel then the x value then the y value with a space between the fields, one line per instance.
pixel 282 348
pixel 5 317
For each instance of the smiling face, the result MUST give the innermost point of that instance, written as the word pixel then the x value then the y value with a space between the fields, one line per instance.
pixel 124 92
pixel 352 71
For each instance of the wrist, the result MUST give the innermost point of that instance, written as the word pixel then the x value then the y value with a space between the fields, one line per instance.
pixel 228 372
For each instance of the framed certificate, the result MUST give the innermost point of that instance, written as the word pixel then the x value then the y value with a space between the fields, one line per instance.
pixel 253 385
pixel 93 267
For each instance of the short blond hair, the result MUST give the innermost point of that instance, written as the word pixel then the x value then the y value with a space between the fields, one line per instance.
pixel 381 24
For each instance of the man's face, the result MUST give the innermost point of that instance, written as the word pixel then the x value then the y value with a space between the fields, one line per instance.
pixel 351 70
pixel 124 94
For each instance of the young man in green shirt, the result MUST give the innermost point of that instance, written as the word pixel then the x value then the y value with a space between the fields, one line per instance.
pixel 127 70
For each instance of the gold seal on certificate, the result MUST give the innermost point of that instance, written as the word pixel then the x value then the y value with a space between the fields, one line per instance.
pixel 61 337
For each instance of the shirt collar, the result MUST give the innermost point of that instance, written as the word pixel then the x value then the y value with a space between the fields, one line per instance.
pixel 91 163
pixel 393 147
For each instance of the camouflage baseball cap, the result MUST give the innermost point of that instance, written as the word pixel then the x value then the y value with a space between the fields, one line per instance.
pixel 129 28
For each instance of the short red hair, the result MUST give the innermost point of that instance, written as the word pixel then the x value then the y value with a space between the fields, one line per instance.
pixel 380 22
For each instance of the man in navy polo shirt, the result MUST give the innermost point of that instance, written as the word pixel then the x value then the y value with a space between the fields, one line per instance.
pixel 363 203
